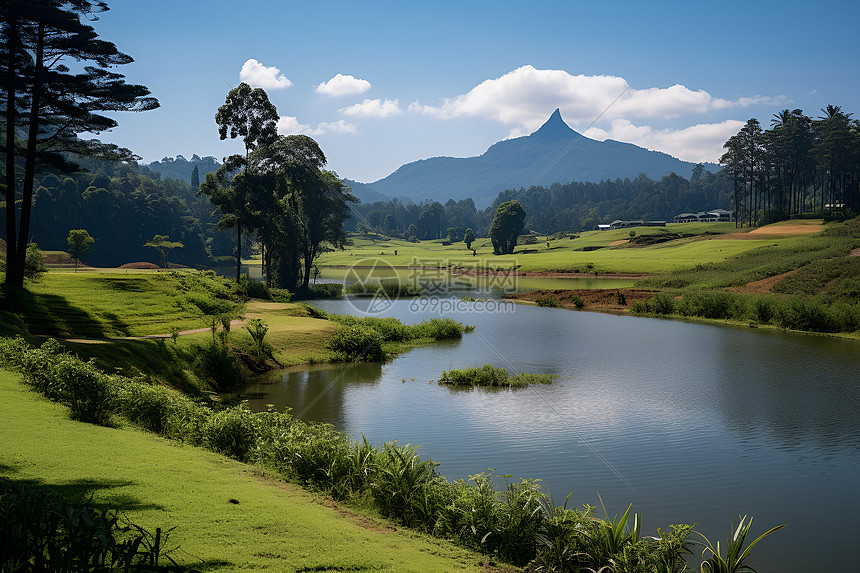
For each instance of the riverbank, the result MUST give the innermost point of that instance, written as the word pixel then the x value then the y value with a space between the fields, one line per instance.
pixel 224 515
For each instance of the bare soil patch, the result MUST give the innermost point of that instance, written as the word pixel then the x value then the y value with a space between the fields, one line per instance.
pixel 139 265
pixel 602 300
pixel 809 228
pixel 762 286
pixel 548 274
pixel 855 253
pixel 619 242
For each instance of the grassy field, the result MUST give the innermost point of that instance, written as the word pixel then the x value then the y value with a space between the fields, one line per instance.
pixel 102 314
pixel 593 251
pixel 157 483
pixel 109 304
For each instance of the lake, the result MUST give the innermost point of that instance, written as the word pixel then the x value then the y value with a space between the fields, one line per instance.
pixel 692 423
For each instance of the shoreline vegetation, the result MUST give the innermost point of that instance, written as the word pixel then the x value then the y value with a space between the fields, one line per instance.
pixel 520 525
pixel 490 376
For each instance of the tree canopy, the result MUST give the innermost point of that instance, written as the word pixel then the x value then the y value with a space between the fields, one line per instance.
pixel 247 113
pixel 79 242
pixel 163 245
pixel 507 225
pixel 47 104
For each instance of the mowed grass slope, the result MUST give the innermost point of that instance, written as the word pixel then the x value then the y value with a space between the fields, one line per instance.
pixel 593 251
pixel 102 305
pixel 156 483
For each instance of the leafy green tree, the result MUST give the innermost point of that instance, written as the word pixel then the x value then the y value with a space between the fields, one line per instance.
pixel 246 113
pixel 34 263
pixel 163 245
pixel 469 238
pixel 195 179
pixel 56 104
pixel 455 234
pixel 507 224
pixel 79 243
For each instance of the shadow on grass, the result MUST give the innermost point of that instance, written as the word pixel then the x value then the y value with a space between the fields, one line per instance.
pixel 83 491
pixel 51 314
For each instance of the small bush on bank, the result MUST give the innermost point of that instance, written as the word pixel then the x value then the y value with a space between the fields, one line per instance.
pixel 214 364
pixel 577 301
pixel 357 342
pixel 546 301
pixel 252 289
pixel 386 288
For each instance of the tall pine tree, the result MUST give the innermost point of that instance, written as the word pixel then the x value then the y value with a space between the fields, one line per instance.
pixel 47 105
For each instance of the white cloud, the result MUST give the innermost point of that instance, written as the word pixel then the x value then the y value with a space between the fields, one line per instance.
pixel 339 126
pixel 257 75
pixel 373 108
pixel 524 98
pixel 698 143
pixel 341 85
pixel 289 125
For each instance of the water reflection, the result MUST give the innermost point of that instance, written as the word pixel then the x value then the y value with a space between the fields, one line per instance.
pixel 690 422
pixel 313 392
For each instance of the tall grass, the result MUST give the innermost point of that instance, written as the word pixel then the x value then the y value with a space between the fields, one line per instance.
pixel 489 375
pixel 42 532
pixel 810 314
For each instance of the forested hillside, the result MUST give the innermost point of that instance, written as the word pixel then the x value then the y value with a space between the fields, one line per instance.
pixel 560 207
pixel 183 169
pixel 123 206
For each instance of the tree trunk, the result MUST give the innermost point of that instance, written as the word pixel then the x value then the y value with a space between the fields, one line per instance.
pixel 11 79
pixel 30 166
pixel 238 249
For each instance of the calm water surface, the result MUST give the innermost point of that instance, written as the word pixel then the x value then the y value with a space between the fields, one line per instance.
pixel 691 423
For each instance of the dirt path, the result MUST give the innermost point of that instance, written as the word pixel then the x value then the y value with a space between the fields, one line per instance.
pixel 762 286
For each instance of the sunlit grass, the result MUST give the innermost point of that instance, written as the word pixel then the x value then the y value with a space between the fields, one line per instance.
pixel 225 515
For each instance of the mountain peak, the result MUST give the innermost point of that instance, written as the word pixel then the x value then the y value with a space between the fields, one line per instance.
pixel 555 127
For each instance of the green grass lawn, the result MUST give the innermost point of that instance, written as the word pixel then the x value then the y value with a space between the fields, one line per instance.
pixel 106 304
pixel 157 483
pixel 563 254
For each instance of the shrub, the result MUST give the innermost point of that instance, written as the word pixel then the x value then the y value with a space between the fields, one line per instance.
pixel 214 364
pixel 325 290
pixel 662 303
pixel 357 342
pixel 577 301
pixel 712 304
pixel 388 288
pixel 231 432
pixel 620 298
pixel 251 288
pixel 545 301
pixel 34 262
pixel 437 329
pixel 280 294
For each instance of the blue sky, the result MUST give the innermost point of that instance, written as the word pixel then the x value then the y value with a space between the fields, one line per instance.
pixel 380 84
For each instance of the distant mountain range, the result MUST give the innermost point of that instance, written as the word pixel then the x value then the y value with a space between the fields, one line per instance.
pixel 555 153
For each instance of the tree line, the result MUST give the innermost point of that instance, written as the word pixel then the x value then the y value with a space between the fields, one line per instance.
pixel 799 165
pixel 561 207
